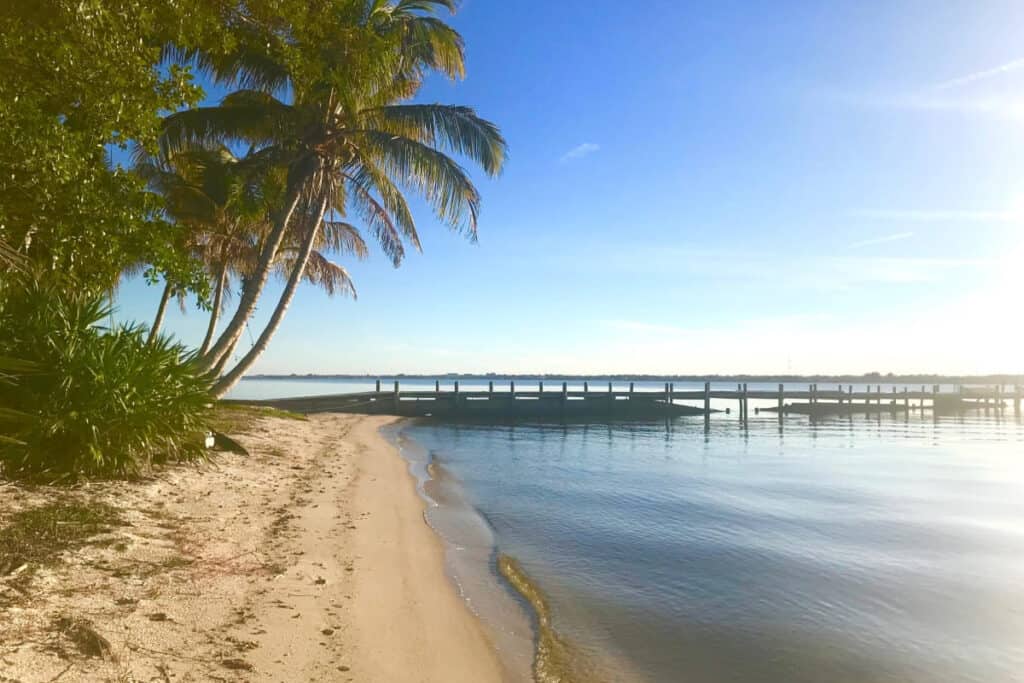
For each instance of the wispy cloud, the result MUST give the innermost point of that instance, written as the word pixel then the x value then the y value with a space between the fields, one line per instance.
pixel 882 240
pixel 984 75
pixel 580 151
pixel 953 95
pixel 938 216
pixel 929 100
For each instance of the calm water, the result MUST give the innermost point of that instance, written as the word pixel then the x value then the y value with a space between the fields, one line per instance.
pixel 871 549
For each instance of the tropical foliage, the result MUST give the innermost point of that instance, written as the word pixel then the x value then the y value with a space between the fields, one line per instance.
pixel 90 401
pixel 109 167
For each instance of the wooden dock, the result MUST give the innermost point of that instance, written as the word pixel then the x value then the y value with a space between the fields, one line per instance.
pixel 600 402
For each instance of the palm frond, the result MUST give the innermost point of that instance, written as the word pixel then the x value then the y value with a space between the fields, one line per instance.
pixel 436 177
pixel 329 276
pixel 9 258
pixel 455 128
pixel 244 116
pixel 371 180
pixel 380 223
pixel 342 237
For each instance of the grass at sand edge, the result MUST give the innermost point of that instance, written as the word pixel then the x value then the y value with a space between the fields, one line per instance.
pixel 39 535
pixel 236 418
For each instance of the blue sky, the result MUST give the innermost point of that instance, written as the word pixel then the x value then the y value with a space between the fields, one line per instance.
pixel 709 187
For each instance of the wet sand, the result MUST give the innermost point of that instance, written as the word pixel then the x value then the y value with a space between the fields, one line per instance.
pixel 307 560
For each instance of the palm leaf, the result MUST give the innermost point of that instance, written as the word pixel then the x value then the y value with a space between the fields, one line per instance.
pixel 455 128
pixel 434 175
pixel 329 276
pixel 344 238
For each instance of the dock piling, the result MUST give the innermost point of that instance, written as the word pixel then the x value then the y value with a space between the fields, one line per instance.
pixel 420 400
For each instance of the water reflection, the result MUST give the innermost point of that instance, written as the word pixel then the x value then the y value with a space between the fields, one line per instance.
pixel 882 547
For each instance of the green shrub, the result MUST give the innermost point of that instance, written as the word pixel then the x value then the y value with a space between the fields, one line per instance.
pixel 91 402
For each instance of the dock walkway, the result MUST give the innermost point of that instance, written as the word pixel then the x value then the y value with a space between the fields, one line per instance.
pixel 598 402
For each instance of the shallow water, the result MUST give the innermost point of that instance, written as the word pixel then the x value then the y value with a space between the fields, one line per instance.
pixel 865 549
pixel 883 548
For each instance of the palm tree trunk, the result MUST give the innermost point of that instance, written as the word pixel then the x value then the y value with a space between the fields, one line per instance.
pixel 218 299
pixel 160 311
pixel 252 288
pixel 228 381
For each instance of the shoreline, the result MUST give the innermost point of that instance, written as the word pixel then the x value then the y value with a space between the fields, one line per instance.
pixel 470 555
pixel 309 559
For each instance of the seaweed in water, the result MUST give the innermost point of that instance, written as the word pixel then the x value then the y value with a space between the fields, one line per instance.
pixel 555 660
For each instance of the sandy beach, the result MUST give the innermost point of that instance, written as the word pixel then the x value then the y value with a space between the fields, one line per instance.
pixel 307 560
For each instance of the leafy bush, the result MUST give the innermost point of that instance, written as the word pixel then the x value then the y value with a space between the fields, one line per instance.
pixel 86 401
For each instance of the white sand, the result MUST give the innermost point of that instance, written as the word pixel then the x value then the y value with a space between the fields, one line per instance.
pixel 309 560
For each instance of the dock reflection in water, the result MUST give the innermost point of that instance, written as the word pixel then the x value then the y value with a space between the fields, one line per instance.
pixel 858 548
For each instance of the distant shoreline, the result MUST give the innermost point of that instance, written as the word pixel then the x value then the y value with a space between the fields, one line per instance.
pixel 871 378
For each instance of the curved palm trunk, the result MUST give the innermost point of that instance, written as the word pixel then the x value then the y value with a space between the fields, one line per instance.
pixel 251 289
pixel 160 311
pixel 228 381
pixel 218 300
pixel 218 369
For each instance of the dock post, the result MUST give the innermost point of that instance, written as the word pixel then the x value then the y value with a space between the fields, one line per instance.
pixel 746 404
pixel 1016 399
pixel 935 399
pixel 782 399
pixel 565 392
pixel 455 398
pixel 707 400
pixel 512 388
pixel 630 391
pixel 668 398
pixel 894 398
pixel 397 398
pixel 922 399
pixel 437 386
pixel 540 384
pixel 840 395
pixel 378 386
pixel 906 399
pixel 586 387
pixel 490 387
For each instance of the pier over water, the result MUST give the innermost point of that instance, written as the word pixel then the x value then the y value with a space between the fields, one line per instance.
pixel 607 400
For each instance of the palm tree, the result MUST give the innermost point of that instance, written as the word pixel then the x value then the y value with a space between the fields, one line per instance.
pixel 319 271
pixel 347 142
pixel 219 200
